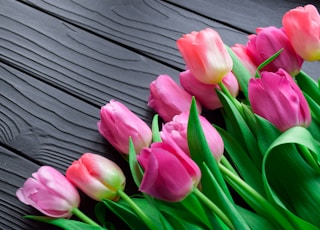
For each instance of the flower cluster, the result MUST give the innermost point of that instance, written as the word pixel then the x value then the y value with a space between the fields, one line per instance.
pixel 190 172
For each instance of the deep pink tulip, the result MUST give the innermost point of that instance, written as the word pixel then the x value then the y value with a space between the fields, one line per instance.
pixel 49 192
pixel 266 43
pixel 168 99
pixel 277 98
pixel 302 25
pixel 206 93
pixel 174 133
pixel 118 123
pixel 97 176
pixel 205 55
pixel 169 175
pixel 241 51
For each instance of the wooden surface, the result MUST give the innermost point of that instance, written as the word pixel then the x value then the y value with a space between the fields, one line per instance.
pixel 61 60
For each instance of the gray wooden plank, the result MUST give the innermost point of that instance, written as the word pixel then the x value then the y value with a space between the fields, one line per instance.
pixel 14 169
pixel 246 15
pixel 152 27
pixel 49 126
pixel 74 60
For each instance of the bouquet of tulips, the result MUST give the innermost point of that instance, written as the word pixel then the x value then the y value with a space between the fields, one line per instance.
pixel 261 170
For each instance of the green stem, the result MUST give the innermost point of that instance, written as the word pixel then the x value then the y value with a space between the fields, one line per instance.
pixel 227 164
pixel 214 208
pixel 137 210
pixel 77 212
pixel 265 207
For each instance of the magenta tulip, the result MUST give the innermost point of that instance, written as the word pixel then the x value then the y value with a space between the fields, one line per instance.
pixel 206 93
pixel 168 99
pixel 266 43
pixel 302 25
pixel 174 133
pixel 49 192
pixel 277 98
pixel 118 123
pixel 205 55
pixel 169 175
pixel 97 176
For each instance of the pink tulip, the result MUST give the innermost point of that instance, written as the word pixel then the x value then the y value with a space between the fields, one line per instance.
pixel 168 99
pixel 206 93
pixel 169 175
pixel 174 133
pixel 205 55
pixel 49 192
pixel 266 43
pixel 118 123
pixel 241 51
pixel 302 25
pixel 277 98
pixel 97 176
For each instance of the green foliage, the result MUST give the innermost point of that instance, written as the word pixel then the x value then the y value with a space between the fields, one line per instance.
pixel 65 223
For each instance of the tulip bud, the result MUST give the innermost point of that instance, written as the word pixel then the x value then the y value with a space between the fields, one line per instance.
pixel 49 192
pixel 241 51
pixel 205 55
pixel 168 99
pixel 266 43
pixel 302 25
pixel 174 133
pixel 118 123
pixel 97 176
pixel 206 93
pixel 169 175
pixel 277 98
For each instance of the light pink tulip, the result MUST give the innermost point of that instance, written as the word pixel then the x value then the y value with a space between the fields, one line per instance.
pixel 174 133
pixel 241 51
pixel 97 176
pixel 49 192
pixel 168 174
pixel 118 123
pixel 168 99
pixel 266 43
pixel 206 93
pixel 277 98
pixel 302 25
pixel 205 55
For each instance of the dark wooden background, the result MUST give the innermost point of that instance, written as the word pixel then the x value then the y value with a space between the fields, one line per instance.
pixel 61 60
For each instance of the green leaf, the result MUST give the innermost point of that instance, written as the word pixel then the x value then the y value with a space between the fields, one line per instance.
pixel 65 223
pixel 136 171
pixel 266 133
pixel 200 152
pixel 255 221
pixel 242 162
pixel 240 71
pixel 308 85
pixel 266 62
pixel 155 129
pixel 296 188
pixel 124 212
pixel 314 107
pixel 239 129
pixel 189 210
pixel 227 206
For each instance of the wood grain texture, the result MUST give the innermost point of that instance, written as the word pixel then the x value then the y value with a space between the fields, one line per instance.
pixel 152 27
pixel 149 27
pixel 246 15
pixel 76 61
pixel 13 170
pixel 48 126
